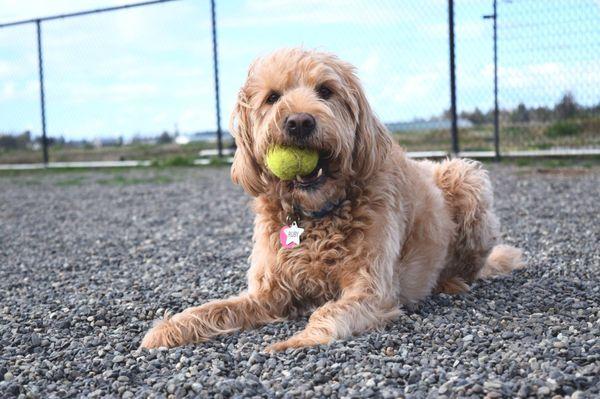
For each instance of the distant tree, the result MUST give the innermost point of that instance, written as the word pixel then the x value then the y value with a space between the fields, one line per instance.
pixel 165 138
pixel 541 114
pixel 8 142
pixel 137 139
pixel 520 114
pixel 489 116
pixel 24 139
pixel 446 115
pixel 567 107
pixel 503 115
pixel 51 140
pixel 15 142
pixel 476 117
pixel 38 140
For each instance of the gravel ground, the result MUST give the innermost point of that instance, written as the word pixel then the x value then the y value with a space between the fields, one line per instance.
pixel 89 259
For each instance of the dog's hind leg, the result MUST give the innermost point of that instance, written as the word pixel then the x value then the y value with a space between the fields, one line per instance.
pixel 453 285
pixel 468 194
pixel 200 323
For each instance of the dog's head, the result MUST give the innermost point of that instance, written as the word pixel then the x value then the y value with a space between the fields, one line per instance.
pixel 313 100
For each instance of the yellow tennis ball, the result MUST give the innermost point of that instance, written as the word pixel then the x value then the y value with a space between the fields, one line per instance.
pixel 287 162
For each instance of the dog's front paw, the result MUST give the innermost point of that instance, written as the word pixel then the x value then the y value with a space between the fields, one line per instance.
pixel 299 341
pixel 162 334
pixel 278 347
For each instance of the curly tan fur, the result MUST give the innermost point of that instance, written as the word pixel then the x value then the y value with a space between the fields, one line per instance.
pixel 402 230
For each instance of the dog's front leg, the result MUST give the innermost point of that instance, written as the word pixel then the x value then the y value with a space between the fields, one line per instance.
pixel 200 323
pixel 351 314
pixel 368 298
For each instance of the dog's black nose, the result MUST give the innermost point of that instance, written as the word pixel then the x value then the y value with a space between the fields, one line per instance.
pixel 300 125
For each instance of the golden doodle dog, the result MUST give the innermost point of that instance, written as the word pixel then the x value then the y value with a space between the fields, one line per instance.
pixel 380 229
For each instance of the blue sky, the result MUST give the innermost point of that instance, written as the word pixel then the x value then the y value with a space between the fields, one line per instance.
pixel 149 69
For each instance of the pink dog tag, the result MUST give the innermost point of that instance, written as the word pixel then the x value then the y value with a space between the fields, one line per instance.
pixel 289 236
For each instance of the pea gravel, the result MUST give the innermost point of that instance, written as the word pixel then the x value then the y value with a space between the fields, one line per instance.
pixel 89 259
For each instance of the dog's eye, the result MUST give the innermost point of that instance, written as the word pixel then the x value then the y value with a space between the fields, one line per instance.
pixel 273 97
pixel 324 92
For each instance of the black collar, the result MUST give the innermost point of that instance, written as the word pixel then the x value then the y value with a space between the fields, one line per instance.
pixel 321 213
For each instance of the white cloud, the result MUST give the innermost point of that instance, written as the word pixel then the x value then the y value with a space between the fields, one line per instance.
pixel 534 84
pixel 8 91
pixel 576 75
pixel 117 92
pixel 464 31
pixel 192 119
pixel 370 65
pixel 7 69
pixel 415 87
pixel 310 13
pixel 160 119
pixel 11 90
pixel 11 10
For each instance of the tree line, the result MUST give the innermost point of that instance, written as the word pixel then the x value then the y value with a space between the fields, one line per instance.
pixel 26 141
pixel 566 108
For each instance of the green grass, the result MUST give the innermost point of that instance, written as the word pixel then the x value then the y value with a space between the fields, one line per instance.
pixel 513 136
pixel 28 181
pixel 554 163
pixel 159 153
pixel 55 171
pixel 563 128
pixel 215 162
pixel 177 160
pixel 74 181
pixel 121 180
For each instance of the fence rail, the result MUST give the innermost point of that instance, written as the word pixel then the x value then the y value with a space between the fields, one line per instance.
pixel 541 60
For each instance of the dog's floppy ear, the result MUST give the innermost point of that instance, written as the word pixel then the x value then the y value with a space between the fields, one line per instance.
pixel 372 142
pixel 245 171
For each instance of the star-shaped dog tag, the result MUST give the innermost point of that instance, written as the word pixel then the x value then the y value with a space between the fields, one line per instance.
pixel 289 236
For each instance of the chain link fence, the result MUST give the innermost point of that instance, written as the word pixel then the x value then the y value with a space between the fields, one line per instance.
pixel 119 85
pixel 400 52
pixel 548 75
pixel 138 83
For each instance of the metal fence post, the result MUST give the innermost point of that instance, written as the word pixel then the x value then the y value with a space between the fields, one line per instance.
pixel 216 71
pixel 454 129
pixel 494 17
pixel 496 111
pixel 42 97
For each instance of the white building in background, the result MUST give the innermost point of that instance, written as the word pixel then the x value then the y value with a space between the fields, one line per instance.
pixel 205 137
pixel 182 140
pixel 425 126
pixel 107 142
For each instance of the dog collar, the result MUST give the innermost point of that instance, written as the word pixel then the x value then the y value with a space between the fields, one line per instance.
pixel 289 234
pixel 321 213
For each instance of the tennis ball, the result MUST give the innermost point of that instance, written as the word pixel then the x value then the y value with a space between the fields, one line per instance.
pixel 286 162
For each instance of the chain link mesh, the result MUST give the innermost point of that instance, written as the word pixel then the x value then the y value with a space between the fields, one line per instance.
pixel 136 73
pixel 548 75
